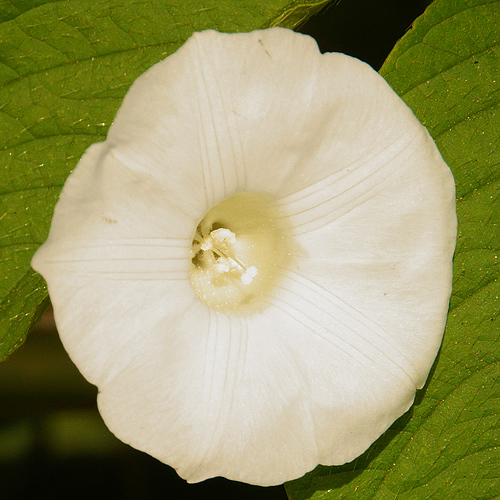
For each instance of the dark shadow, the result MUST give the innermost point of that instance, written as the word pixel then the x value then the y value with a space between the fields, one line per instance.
pixel 364 29
pixel 331 477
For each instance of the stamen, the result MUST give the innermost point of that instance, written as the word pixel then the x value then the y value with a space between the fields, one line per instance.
pixel 248 276
pixel 206 245
pixel 223 236
pixel 220 242
pixel 247 226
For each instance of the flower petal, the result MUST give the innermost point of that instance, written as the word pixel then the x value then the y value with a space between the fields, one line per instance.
pixel 349 332
pixel 386 249
pixel 205 124
pixel 234 402
pixel 244 402
pixel 114 243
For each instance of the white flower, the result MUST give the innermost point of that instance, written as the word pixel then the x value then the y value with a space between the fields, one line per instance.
pixel 254 268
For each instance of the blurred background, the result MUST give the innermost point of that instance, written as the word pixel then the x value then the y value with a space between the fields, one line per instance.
pixel 53 443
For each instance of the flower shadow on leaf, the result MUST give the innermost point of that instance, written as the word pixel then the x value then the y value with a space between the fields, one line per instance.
pixel 324 478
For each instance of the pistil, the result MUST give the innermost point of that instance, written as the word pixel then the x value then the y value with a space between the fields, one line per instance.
pixel 220 243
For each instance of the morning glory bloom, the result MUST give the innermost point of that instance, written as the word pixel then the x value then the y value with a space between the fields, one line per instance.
pixel 255 267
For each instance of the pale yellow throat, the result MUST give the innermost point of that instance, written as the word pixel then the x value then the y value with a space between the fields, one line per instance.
pixel 240 251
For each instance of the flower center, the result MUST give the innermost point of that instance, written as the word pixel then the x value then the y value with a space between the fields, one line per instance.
pixel 240 250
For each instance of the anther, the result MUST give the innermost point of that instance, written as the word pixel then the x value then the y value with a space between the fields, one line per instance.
pixel 220 242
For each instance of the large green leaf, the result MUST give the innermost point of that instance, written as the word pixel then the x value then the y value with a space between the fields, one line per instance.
pixel 64 68
pixel 447 68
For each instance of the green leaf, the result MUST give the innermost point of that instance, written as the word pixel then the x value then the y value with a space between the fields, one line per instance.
pixel 64 69
pixel 447 69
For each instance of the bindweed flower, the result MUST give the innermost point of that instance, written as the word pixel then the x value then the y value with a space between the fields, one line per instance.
pixel 254 268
